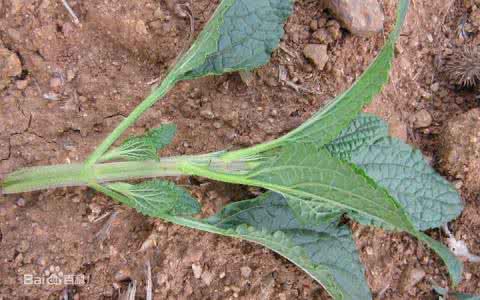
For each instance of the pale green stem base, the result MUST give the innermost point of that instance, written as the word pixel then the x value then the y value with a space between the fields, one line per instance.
pixel 38 178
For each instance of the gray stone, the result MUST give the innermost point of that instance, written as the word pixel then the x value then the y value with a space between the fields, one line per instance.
pixel 360 17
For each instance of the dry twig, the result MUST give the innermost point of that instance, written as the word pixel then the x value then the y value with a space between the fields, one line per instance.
pixel 70 11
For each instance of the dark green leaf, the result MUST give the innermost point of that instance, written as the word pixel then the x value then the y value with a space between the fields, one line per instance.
pixel 430 200
pixel 310 176
pixel 241 35
pixel 326 252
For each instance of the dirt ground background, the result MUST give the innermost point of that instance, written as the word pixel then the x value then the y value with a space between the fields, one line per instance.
pixel 74 84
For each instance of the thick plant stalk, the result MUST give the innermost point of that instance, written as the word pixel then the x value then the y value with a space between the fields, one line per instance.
pixel 38 178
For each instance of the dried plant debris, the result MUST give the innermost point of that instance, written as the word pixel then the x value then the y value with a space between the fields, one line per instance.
pixel 461 66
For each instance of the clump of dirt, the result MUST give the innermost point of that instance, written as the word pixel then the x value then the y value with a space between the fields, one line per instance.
pixel 460 152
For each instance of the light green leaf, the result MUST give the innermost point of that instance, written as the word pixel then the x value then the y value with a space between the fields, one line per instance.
pixel 327 124
pixel 143 147
pixel 429 200
pixel 241 35
pixel 155 198
pixel 302 171
pixel 326 252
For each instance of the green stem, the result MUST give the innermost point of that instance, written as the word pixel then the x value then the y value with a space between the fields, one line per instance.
pixel 161 91
pixel 38 178
pixel 252 151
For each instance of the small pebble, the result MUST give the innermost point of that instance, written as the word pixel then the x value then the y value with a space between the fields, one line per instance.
pixel 207 114
pixel 246 271
pixel 468 276
pixel 20 202
pixel 207 277
pixel 21 84
pixel 56 84
pixel 23 246
pixel 334 29
pixel 317 54
pixel 422 119
pixel 51 96
pixel 322 36
pixel 197 271
pixel 411 278
pixel 70 75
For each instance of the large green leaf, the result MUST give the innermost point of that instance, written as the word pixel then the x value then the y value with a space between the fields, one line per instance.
pixel 310 177
pixel 306 174
pixel 429 199
pixel 241 35
pixel 325 251
pixel 327 124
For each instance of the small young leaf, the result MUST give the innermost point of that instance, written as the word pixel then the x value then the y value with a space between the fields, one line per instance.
pixel 143 147
pixel 162 136
pixel 326 252
pixel 155 198
pixel 327 124
pixel 241 35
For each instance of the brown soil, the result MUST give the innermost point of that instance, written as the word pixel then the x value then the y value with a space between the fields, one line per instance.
pixel 94 75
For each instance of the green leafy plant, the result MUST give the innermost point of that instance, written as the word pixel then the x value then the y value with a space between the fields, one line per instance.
pixel 338 163
pixel 445 294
